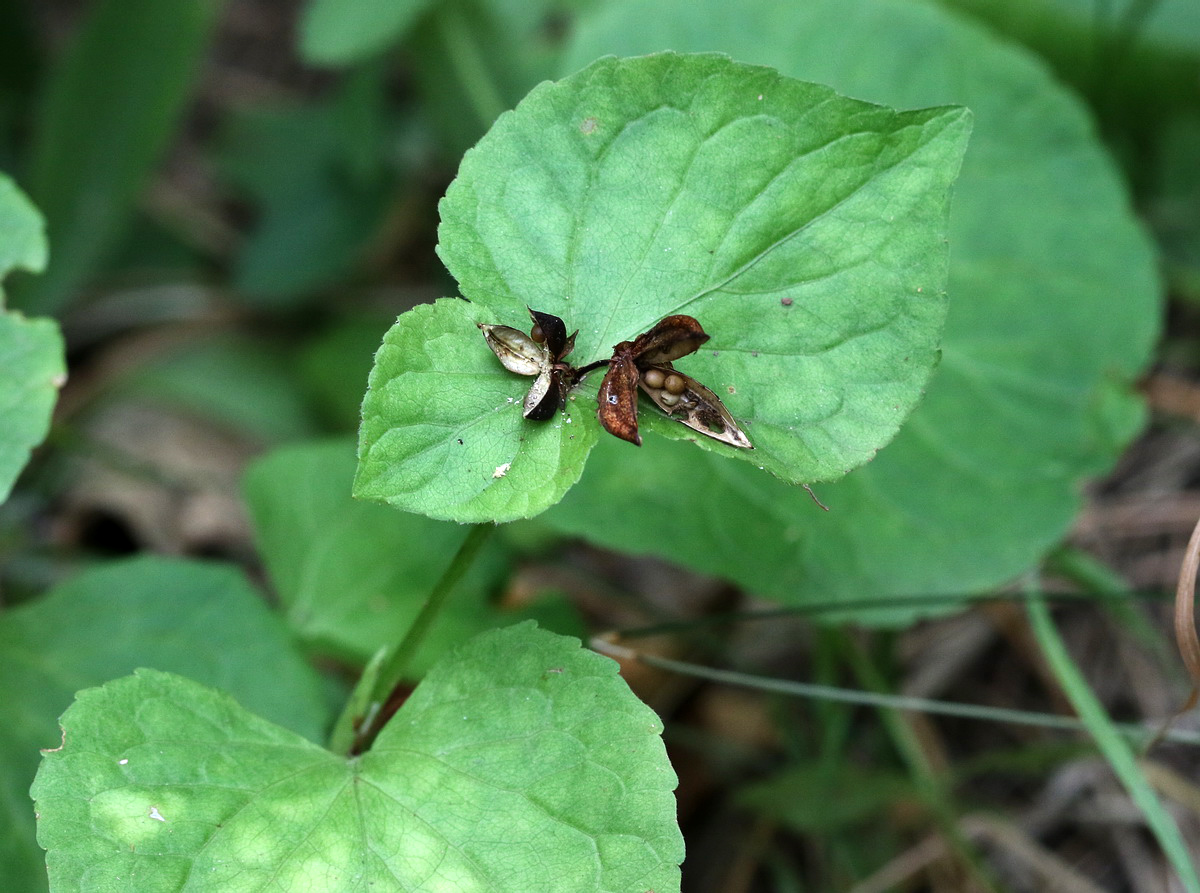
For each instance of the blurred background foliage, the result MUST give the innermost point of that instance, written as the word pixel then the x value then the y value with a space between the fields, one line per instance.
pixel 241 196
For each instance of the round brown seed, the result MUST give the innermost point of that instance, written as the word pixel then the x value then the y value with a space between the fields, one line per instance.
pixel 653 378
pixel 674 384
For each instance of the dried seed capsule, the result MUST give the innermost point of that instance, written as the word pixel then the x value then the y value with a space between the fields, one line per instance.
pixel 696 407
pixel 674 384
pixel 653 378
pixel 517 351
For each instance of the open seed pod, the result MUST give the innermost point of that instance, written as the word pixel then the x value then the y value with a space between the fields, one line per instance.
pixel 691 403
pixel 678 395
pixel 539 353
pixel 516 351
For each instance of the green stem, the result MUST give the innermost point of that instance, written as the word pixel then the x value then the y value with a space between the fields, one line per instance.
pixel 933 789
pixel 468 64
pixel 1117 752
pixel 1138 734
pixel 364 717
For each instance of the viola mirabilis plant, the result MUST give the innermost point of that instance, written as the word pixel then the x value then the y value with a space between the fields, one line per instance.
pixel 784 245
pixel 804 231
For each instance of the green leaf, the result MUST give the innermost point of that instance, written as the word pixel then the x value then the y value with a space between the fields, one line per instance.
pixel 203 620
pixel 22 235
pixel 109 108
pixel 804 231
pixel 32 357
pixel 32 363
pixel 521 763
pixel 352 575
pixel 236 381
pixel 1055 311
pixel 315 173
pixel 442 430
pixel 338 32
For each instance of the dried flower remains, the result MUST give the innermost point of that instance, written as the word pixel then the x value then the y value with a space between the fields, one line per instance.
pixel 539 353
pixel 644 363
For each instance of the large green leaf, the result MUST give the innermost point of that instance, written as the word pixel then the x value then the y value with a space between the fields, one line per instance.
pixel 805 232
pixel 351 575
pixel 22 236
pixel 247 385
pixel 203 620
pixel 521 763
pixel 316 174
pixel 110 106
pixel 32 364
pixel 1055 310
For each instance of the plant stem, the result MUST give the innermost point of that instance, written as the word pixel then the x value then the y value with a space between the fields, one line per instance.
pixel 467 62
pixel 1107 736
pixel 388 683
pixel 1137 734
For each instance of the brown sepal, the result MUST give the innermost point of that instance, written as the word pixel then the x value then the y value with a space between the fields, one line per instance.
pixel 671 338
pixel 555 332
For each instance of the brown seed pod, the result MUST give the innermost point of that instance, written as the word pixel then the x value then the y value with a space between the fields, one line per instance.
pixel 539 353
pixel 646 362
pixel 671 338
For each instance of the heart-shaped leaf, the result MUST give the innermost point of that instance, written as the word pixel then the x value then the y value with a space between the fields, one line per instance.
pixel 521 763
pixel 1055 312
pixel 805 231
pixel 201 619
